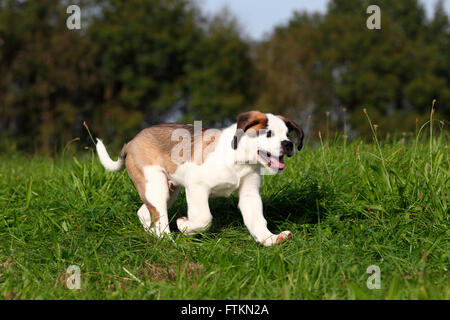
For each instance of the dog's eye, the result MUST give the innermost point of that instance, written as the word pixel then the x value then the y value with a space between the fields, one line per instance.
pixel 269 133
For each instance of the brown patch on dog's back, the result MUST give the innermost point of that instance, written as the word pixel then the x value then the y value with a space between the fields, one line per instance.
pixel 153 147
pixel 208 141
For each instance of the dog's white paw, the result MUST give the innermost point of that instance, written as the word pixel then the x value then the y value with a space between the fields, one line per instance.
pixel 277 238
pixel 190 228
pixel 182 224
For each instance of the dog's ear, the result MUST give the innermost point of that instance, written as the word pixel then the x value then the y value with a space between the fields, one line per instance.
pixel 294 130
pixel 253 120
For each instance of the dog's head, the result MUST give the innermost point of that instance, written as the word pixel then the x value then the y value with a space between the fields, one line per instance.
pixel 266 138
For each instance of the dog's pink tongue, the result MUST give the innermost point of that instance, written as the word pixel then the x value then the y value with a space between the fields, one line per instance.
pixel 276 164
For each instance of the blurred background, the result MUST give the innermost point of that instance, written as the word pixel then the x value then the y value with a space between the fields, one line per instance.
pixel 135 63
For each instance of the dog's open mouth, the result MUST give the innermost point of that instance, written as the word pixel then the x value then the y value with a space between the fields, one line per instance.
pixel 269 161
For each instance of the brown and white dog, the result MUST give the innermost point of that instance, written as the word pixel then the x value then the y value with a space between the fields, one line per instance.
pixel 207 163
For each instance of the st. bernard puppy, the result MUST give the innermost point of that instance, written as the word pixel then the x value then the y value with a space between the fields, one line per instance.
pixel 207 163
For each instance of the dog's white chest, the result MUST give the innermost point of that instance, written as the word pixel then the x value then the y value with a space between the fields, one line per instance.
pixel 219 180
pixel 224 189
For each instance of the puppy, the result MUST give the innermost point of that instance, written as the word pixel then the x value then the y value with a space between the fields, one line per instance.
pixel 207 163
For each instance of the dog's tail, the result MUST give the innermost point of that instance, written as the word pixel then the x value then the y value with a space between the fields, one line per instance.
pixel 106 161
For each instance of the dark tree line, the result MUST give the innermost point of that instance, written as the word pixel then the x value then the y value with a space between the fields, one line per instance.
pixel 320 63
pixel 139 62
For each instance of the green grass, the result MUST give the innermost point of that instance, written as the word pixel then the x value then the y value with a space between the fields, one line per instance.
pixel 349 206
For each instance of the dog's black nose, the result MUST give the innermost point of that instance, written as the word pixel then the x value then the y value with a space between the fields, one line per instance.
pixel 287 147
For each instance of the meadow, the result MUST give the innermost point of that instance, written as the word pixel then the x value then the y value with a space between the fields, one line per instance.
pixel 350 205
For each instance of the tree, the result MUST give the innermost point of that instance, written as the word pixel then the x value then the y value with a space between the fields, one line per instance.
pixel 219 73
pixel 327 63
pixel 144 48
pixel 133 63
pixel 290 79
pixel 43 74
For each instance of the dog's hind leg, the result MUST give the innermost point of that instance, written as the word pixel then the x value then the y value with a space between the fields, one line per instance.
pixel 156 197
pixel 154 191
pixel 153 188
pixel 144 217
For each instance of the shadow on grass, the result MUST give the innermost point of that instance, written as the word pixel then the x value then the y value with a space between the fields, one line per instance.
pixel 300 204
pixel 297 203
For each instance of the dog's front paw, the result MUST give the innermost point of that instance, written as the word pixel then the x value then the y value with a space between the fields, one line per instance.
pixel 190 228
pixel 182 224
pixel 277 238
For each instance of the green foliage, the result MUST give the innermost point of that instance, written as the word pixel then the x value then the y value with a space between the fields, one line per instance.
pixel 132 64
pixel 144 47
pixel 349 206
pixel 45 70
pixel 139 62
pixel 220 74
pixel 325 63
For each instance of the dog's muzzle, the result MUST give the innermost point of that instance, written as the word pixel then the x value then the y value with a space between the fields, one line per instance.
pixel 270 161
